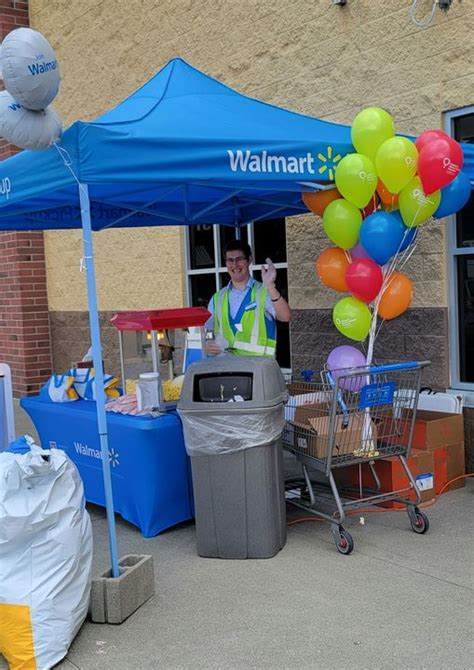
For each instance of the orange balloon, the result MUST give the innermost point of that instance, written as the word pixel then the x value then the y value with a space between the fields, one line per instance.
pixel 397 297
pixel 390 200
pixel 331 268
pixel 317 202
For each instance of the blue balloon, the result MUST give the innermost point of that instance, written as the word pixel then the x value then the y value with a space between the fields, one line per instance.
pixel 381 236
pixel 454 196
pixel 408 234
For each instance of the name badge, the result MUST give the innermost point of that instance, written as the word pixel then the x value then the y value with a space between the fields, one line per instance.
pixel 251 305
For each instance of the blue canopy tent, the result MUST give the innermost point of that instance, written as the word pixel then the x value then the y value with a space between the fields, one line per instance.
pixel 183 149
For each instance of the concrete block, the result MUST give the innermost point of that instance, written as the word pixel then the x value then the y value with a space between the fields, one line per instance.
pixel 114 599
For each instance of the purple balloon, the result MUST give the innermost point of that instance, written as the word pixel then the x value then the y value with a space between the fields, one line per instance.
pixel 344 358
pixel 358 252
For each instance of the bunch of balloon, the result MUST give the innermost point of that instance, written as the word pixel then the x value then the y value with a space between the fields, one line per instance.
pixel 383 192
pixel 30 73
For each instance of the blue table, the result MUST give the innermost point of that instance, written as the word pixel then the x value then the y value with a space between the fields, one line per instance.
pixel 151 476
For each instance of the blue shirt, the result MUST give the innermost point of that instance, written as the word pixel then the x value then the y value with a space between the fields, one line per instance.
pixel 235 299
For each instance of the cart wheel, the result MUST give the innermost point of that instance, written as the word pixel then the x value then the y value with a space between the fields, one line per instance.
pixel 344 543
pixel 419 522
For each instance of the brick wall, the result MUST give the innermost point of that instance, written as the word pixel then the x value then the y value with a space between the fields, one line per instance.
pixel 25 342
pixel 13 14
pixel 24 321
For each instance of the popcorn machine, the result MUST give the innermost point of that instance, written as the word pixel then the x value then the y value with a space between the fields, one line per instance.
pixel 158 341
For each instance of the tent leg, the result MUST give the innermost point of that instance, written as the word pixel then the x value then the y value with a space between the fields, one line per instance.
pixel 238 233
pixel 99 372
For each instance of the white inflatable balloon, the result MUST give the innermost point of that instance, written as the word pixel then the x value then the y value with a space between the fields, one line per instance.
pixel 25 128
pixel 30 68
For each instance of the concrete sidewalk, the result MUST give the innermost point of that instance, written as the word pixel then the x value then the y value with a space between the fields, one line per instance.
pixel 400 601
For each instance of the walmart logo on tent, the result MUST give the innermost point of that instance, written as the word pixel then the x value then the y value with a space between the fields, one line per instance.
pixel 328 164
pixel 265 162
pixel 5 187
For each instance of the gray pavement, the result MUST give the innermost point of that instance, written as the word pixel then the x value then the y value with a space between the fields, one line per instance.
pixel 400 601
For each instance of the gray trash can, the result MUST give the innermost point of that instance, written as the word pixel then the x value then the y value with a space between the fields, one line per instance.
pixel 232 408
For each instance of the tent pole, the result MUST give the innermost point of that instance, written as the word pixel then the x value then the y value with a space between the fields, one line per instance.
pixel 98 372
pixel 238 234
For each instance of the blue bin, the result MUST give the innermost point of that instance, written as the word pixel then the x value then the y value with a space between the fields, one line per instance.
pixel 151 477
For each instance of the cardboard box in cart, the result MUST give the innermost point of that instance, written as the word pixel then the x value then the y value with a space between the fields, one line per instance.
pixel 312 426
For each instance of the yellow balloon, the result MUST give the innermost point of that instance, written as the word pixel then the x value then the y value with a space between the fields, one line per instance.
pixel 341 222
pixel 356 179
pixel 370 128
pixel 396 162
pixel 415 205
pixel 352 318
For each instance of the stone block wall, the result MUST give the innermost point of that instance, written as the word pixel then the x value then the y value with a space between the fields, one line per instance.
pixel 309 56
pixel 313 57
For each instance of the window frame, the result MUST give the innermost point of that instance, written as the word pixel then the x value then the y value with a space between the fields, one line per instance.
pixel 452 254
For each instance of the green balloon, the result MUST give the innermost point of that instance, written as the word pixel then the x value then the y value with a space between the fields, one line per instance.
pixel 396 162
pixel 415 206
pixel 341 222
pixel 370 128
pixel 352 318
pixel 356 179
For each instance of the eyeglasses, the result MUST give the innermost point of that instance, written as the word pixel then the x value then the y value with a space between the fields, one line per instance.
pixel 237 259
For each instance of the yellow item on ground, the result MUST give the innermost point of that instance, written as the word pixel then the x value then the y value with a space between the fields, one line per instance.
pixel 16 636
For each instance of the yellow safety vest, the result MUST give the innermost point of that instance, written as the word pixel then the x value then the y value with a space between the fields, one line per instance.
pixel 253 338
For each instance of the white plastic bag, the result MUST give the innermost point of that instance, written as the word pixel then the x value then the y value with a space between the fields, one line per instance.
pixel 59 388
pixel 208 433
pixel 45 557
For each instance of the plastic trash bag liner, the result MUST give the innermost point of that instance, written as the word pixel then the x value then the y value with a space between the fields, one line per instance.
pixel 212 433
pixel 45 557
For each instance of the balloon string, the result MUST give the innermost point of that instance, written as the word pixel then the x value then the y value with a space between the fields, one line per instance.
pixel 388 276
pixel 67 160
pixel 423 23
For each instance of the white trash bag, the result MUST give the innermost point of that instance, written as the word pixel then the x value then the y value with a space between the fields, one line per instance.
pixel 45 557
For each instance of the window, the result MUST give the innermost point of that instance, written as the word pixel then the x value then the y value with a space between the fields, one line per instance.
pixel 460 124
pixel 206 272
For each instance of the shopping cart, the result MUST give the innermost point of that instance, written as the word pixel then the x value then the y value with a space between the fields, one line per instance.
pixel 352 417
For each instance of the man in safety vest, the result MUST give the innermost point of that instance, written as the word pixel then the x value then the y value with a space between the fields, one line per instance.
pixel 244 311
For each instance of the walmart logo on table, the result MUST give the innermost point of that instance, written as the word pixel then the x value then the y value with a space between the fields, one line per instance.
pixel 85 450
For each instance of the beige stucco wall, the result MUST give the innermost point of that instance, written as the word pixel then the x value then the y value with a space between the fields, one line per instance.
pixel 307 55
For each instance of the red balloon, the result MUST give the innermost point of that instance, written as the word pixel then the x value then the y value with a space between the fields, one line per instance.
pixel 371 207
pixel 439 162
pixel 428 136
pixel 364 279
